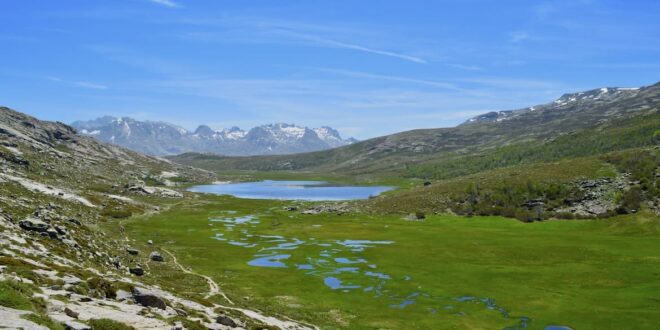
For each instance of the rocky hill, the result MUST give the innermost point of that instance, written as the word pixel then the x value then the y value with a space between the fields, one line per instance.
pixel 160 138
pixel 65 262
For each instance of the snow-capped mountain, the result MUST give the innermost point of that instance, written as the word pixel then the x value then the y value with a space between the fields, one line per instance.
pixel 160 138
pixel 568 101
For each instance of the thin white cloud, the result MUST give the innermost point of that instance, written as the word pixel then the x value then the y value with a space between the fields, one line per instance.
pixel 325 42
pixel 87 84
pixel 81 84
pixel 359 74
pixel 266 31
pixel 465 67
pixel 374 51
pixel 518 36
pixel 166 3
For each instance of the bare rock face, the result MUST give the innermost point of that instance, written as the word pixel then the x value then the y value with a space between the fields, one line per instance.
pixel 13 319
pixel 148 298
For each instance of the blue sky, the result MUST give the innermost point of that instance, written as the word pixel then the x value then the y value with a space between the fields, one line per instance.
pixel 367 68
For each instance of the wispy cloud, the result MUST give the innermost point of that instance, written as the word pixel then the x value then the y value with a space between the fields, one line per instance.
pixel 265 31
pixel 166 3
pixel 87 84
pixel 81 84
pixel 518 36
pixel 465 67
pixel 372 51
pixel 359 74
pixel 139 60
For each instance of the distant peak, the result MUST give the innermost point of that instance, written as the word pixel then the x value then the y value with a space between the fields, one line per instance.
pixel 204 130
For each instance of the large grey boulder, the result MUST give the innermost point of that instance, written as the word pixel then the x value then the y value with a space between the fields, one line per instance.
pixel 226 321
pixel 34 224
pixel 148 298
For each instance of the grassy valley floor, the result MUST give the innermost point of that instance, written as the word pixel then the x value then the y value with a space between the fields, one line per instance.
pixel 447 272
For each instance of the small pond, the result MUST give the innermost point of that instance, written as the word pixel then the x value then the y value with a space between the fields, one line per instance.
pixel 292 190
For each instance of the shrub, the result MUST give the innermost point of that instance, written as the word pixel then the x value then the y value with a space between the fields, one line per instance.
pixel 103 287
pixel 630 200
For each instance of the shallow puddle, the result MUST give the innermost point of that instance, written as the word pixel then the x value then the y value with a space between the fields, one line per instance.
pixel 270 261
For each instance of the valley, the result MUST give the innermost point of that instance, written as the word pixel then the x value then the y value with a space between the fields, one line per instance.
pixel 490 228
pixel 360 271
pixel 329 165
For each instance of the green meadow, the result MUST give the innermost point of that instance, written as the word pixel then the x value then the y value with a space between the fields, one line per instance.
pixel 365 271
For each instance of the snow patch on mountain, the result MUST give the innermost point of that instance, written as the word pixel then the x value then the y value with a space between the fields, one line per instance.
pixel 160 138
pixel 566 101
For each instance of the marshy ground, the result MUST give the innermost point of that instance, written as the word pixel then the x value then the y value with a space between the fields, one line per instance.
pixel 370 271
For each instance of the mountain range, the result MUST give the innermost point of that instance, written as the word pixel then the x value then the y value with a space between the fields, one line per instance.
pixel 161 138
pixel 570 124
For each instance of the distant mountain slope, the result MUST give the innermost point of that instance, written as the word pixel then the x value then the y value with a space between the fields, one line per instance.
pixel 425 153
pixel 160 138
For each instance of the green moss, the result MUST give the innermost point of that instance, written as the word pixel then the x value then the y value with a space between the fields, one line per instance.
pixel 107 324
pixel 16 295
pixel 45 321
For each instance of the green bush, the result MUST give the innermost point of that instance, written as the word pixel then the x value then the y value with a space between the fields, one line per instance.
pixel 630 200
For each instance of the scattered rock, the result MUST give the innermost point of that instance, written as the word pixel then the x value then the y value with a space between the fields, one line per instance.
pixel 147 298
pixel 71 313
pixel 328 208
pixel 150 242
pixel 226 321
pixel 33 224
pixel 132 251
pixel 75 222
pixel 52 232
pixel 155 256
pixel 137 271
pixel 417 216
pixel 291 208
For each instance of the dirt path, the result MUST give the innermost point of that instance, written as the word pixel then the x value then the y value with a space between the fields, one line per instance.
pixel 214 289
